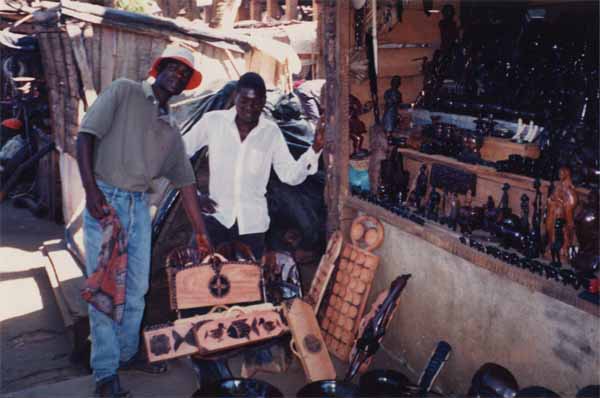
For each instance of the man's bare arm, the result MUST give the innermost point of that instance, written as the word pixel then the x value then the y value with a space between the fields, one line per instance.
pixel 94 198
pixel 192 208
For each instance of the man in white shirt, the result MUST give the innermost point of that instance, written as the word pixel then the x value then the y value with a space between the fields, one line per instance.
pixel 243 145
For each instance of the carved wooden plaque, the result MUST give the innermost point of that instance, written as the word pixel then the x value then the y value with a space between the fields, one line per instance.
pixel 308 341
pixel 238 330
pixel 202 286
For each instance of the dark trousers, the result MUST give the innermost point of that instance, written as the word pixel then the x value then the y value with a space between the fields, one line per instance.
pixel 219 234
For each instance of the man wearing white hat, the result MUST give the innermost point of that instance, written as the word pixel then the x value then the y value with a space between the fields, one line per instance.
pixel 125 141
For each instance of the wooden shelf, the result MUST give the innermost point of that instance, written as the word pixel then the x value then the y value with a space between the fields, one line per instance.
pixel 489 181
pixel 449 241
pixel 517 180
pixel 495 149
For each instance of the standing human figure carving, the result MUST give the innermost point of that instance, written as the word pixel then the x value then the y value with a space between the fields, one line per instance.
pixel 393 99
pixel 561 203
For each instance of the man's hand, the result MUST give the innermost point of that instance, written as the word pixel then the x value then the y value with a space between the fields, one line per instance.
pixel 95 201
pixel 319 135
pixel 203 244
pixel 207 205
pixel 192 208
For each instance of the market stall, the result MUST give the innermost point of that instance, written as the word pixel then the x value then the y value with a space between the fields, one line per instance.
pixel 493 272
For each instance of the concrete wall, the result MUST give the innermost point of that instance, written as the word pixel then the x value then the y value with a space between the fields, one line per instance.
pixel 485 318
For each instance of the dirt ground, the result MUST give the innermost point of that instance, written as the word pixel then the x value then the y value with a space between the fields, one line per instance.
pixel 34 343
pixel 35 347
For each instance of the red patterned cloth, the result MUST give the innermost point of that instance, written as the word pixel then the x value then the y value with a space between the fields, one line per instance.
pixel 105 288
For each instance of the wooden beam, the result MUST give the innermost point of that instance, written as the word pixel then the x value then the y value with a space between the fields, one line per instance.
pixel 60 81
pixel 208 13
pixel 319 69
pixel 83 65
pixel 256 10
pixel 108 53
pixel 316 5
pixel 243 13
pixel 273 9
pixel 331 148
pixel 291 10
pixel 336 23
pixel 52 82
pixel 343 109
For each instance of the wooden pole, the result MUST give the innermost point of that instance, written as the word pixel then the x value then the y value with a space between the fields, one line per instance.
pixel 208 13
pixel 316 4
pixel 337 151
pixel 273 9
pixel 291 10
pixel 255 10
pixel 319 68
pixel 244 11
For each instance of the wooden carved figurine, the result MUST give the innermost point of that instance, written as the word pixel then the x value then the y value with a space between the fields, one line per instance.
pixel 534 246
pixel 393 176
pixel 490 214
pixel 392 98
pixel 505 209
pixel 588 230
pixel 433 204
pixel 587 224
pixel 420 188
pixel 525 213
pixel 561 203
pixel 557 245
pixel 453 214
pixel 378 147
pixel 470 217
pixel 357 127
pixel 448 30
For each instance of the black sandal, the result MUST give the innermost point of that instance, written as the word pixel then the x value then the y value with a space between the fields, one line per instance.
pixel 142 365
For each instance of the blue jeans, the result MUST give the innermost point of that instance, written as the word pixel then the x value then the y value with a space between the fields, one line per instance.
pixel 112 342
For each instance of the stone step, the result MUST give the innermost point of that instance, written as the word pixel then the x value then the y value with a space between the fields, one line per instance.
pixel 66 277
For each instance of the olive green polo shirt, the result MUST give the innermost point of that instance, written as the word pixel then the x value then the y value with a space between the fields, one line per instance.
pixel 135 143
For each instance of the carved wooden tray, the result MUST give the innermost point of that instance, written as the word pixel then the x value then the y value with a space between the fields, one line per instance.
pixel 324 271
pixel 345 300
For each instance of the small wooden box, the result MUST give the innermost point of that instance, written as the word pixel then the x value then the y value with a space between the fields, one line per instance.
pixel 200 286
pixel 308 341
pixel 495 149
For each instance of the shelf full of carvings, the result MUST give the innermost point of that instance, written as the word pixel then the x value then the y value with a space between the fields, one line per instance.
pixel 449 240
pixel 489 181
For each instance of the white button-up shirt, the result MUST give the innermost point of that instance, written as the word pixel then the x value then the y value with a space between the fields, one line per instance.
pixel 239 170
